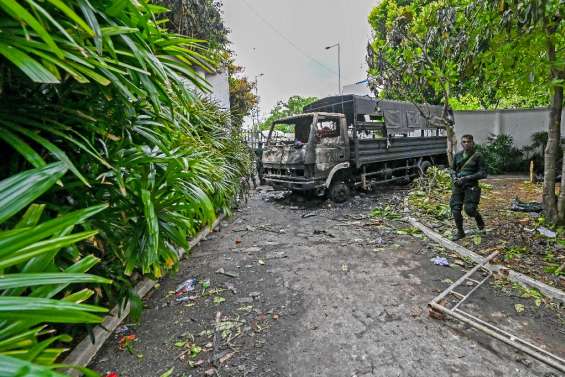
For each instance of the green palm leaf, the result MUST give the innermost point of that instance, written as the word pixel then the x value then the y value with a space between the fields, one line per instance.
pixel 28 280
pixel 48 310
pixel 31 67
pixel 21 189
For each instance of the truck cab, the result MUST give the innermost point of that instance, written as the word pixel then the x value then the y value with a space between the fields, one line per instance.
pixel 303 151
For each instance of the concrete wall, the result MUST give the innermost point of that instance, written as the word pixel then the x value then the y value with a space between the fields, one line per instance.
pixel 219 84
pixel 220 88
pixel 520 124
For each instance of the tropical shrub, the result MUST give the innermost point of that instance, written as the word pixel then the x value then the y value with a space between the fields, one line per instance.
pixel 501 156
pixel 39 260
pixel 101 89
pixel 123 120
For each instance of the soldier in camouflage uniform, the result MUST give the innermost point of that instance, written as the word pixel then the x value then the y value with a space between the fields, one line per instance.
pixel 468 167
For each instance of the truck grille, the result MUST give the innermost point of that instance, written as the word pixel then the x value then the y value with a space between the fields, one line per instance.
pixel 285 172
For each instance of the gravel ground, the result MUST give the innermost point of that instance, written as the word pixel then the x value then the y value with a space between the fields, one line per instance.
pixel 309 288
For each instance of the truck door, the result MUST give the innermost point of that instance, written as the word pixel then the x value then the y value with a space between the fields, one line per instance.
pixel 332 144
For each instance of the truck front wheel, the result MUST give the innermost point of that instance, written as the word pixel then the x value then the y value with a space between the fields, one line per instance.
pixel 339 192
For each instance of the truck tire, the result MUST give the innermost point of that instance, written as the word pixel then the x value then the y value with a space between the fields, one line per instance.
pixel 339 192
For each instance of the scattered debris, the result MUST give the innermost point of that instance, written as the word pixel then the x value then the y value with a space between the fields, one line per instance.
pixel 226 357
pixel 519 308
pixel 519 206
pixel 253 249
pixel 125 342
pixel 385 213
pixel 231 287
pixel 111 374
pixel 254 295
pixel 324 232
pixel 218 300
pixel 344 268
pixel 277 255
pixel 307 215
pixel 182 289
pixel 221 271
pixel 122 330
pixel 440 261
pixel 547 232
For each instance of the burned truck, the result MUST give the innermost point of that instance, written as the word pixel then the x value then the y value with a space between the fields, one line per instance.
pixel 344 142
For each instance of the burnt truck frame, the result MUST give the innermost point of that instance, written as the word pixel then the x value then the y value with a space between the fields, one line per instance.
pixel 353 141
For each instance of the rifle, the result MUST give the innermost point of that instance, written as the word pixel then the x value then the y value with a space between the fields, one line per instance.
pixel 454 177
pixel 454 174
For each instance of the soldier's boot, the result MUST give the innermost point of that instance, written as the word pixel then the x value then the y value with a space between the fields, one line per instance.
pixel 480 222
pixel 458 217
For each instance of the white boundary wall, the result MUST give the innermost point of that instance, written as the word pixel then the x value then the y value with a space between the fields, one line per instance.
pixel 518 123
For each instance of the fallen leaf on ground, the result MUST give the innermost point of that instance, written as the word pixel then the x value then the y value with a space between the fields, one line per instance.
pixel 168 373
pixel 218 300
pixel 226 357
pixel 195 350
pixel 519 308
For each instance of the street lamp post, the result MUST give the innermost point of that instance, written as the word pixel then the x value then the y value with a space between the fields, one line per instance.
pixel 256 120
pixel 338 45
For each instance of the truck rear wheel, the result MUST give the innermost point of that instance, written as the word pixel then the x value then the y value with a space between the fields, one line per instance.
pixel 339 192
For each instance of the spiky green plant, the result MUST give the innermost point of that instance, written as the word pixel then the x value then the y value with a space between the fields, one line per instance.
pixel 103 87
pixel 37 271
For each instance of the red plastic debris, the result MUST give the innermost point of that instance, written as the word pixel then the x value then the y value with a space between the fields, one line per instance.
pixel 111 374
pixel 125 341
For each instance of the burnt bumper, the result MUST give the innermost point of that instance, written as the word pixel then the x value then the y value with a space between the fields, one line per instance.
pixel 293 184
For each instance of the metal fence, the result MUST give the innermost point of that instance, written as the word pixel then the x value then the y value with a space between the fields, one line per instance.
pixel 252 138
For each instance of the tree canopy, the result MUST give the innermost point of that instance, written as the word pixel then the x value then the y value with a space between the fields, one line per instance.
pixel 475 54
pixel 242 98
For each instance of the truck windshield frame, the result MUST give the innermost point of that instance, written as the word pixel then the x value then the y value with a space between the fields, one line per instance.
pixel 298 127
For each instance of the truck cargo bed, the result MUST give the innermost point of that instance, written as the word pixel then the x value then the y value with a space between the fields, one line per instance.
pixel 368 151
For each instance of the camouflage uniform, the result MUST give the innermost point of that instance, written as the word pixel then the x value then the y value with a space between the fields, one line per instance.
pixel 469 168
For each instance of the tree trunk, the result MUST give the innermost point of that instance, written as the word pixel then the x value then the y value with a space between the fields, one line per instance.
pixel 554 132
pixel 555 116
pixel 554 136
pixel 451 141
pixel 449 125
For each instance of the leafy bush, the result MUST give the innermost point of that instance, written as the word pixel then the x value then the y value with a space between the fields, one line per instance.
pixel 501 156
pixel 39 260
pixel 100 88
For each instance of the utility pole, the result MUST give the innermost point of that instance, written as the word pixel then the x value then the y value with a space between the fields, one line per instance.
pixel 256 118
pixel 338 45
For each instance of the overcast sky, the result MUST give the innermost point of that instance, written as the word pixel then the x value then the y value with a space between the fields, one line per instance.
pixel 285 41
